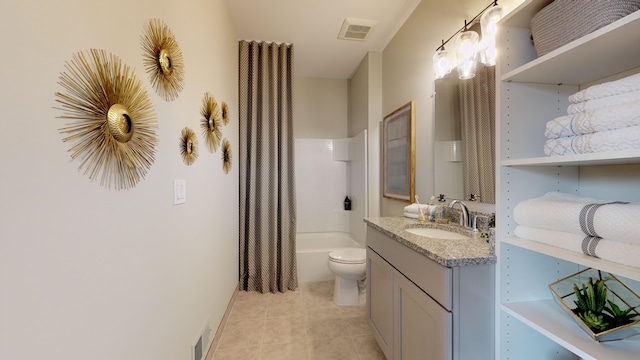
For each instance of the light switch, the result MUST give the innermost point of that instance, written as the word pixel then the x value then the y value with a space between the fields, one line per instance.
pixel 179 191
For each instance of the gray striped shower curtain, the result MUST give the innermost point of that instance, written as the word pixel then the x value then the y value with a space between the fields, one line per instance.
pixel 267 181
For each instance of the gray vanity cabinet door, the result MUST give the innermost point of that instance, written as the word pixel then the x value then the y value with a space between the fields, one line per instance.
pixel 380 301
pixel 423 328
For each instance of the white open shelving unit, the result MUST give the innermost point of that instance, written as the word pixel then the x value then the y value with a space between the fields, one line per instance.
pixel 531 91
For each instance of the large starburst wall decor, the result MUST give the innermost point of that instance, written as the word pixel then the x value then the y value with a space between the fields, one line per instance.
pixel 112 120
pixel 162 59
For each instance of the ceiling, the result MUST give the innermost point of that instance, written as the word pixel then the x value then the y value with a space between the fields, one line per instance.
pixel 312 26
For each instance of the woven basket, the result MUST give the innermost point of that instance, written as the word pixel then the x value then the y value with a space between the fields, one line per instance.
pixel 563 21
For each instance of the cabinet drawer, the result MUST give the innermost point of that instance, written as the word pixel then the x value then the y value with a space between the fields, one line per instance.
pixel 434 279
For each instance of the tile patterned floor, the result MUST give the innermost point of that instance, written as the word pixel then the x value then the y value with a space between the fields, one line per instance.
pixel 299 325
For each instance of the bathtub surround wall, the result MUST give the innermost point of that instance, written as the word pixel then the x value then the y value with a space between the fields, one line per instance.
pixel 326 171
pixel 321 185
pixel 357 171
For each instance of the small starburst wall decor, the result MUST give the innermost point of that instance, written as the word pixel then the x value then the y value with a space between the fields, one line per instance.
pixel 226 156
pixel 188 146
pixel 163 59
pixel 112 121
pixel 211 122
pixel 225 113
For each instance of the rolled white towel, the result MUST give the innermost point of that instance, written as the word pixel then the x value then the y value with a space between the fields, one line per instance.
pixel 595 104
pixel 621 86
pixel 606 249
pixel 608 118
pixel 611 140
pixel 567 213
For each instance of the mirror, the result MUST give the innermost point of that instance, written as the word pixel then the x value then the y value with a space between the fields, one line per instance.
pixel 464 136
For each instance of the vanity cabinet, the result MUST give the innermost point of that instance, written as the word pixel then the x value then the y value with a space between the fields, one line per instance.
pixel 532 90
pixel 419 309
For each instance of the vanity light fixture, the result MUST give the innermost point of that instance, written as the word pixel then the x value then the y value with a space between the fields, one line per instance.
pixel 468 47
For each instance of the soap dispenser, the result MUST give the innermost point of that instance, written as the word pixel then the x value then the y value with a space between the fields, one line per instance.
pixel 347 203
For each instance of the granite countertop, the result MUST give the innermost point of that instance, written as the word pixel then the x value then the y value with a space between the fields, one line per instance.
pixel 449 253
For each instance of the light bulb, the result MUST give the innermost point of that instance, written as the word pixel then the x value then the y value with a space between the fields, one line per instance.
pixel 441 63
pixel 489 25
pixel 466 52
pixel 489 21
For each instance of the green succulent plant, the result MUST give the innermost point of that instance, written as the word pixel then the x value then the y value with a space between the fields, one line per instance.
pixel 619 317
pixel 593 321
pixel 592 297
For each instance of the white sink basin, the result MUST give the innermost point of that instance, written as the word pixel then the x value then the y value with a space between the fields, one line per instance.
pixel 437 233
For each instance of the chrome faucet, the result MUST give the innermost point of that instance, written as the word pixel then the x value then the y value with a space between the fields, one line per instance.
pixel 466 220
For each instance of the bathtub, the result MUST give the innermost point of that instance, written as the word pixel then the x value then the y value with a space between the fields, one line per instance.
pixel 312 251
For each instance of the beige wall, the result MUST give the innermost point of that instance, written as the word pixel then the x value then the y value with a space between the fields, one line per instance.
pixel 92 273
pixel 408 75
pixel 365 98
pixel 321 108
pixel 359 98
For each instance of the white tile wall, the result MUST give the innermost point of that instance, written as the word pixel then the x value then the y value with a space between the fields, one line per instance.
pixel 321 185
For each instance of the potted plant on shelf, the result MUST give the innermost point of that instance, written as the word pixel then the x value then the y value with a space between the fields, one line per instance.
pixel 602 305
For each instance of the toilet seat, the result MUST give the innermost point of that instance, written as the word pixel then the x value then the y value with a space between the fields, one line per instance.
pixel 349 256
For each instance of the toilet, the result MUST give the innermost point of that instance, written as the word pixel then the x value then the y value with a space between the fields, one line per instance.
pixel 349 266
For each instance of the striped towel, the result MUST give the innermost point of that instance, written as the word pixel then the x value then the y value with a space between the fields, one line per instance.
pixel 603 248
pixel 581 215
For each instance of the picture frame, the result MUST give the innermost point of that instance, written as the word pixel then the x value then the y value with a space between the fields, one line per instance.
pixel 398 153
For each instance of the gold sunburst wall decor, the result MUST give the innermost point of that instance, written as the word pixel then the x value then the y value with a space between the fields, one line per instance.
pixel 226 156
pixel 112 125
pixel 162 59
pixel 225 113
pixel 211 122
pixel 188 146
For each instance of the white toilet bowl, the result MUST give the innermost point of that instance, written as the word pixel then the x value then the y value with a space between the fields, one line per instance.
pixel 349 266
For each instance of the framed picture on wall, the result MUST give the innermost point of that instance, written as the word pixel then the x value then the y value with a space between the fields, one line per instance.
pixel 398 153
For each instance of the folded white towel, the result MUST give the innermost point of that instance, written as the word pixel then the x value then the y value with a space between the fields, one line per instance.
pixel 611 140
pixel 410 215
pixel 615 251
pixel 621 86
pixel 609 118
pixel 595 104
pixel 574 214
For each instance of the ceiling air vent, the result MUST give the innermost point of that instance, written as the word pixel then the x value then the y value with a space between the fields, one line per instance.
pixel 356 29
